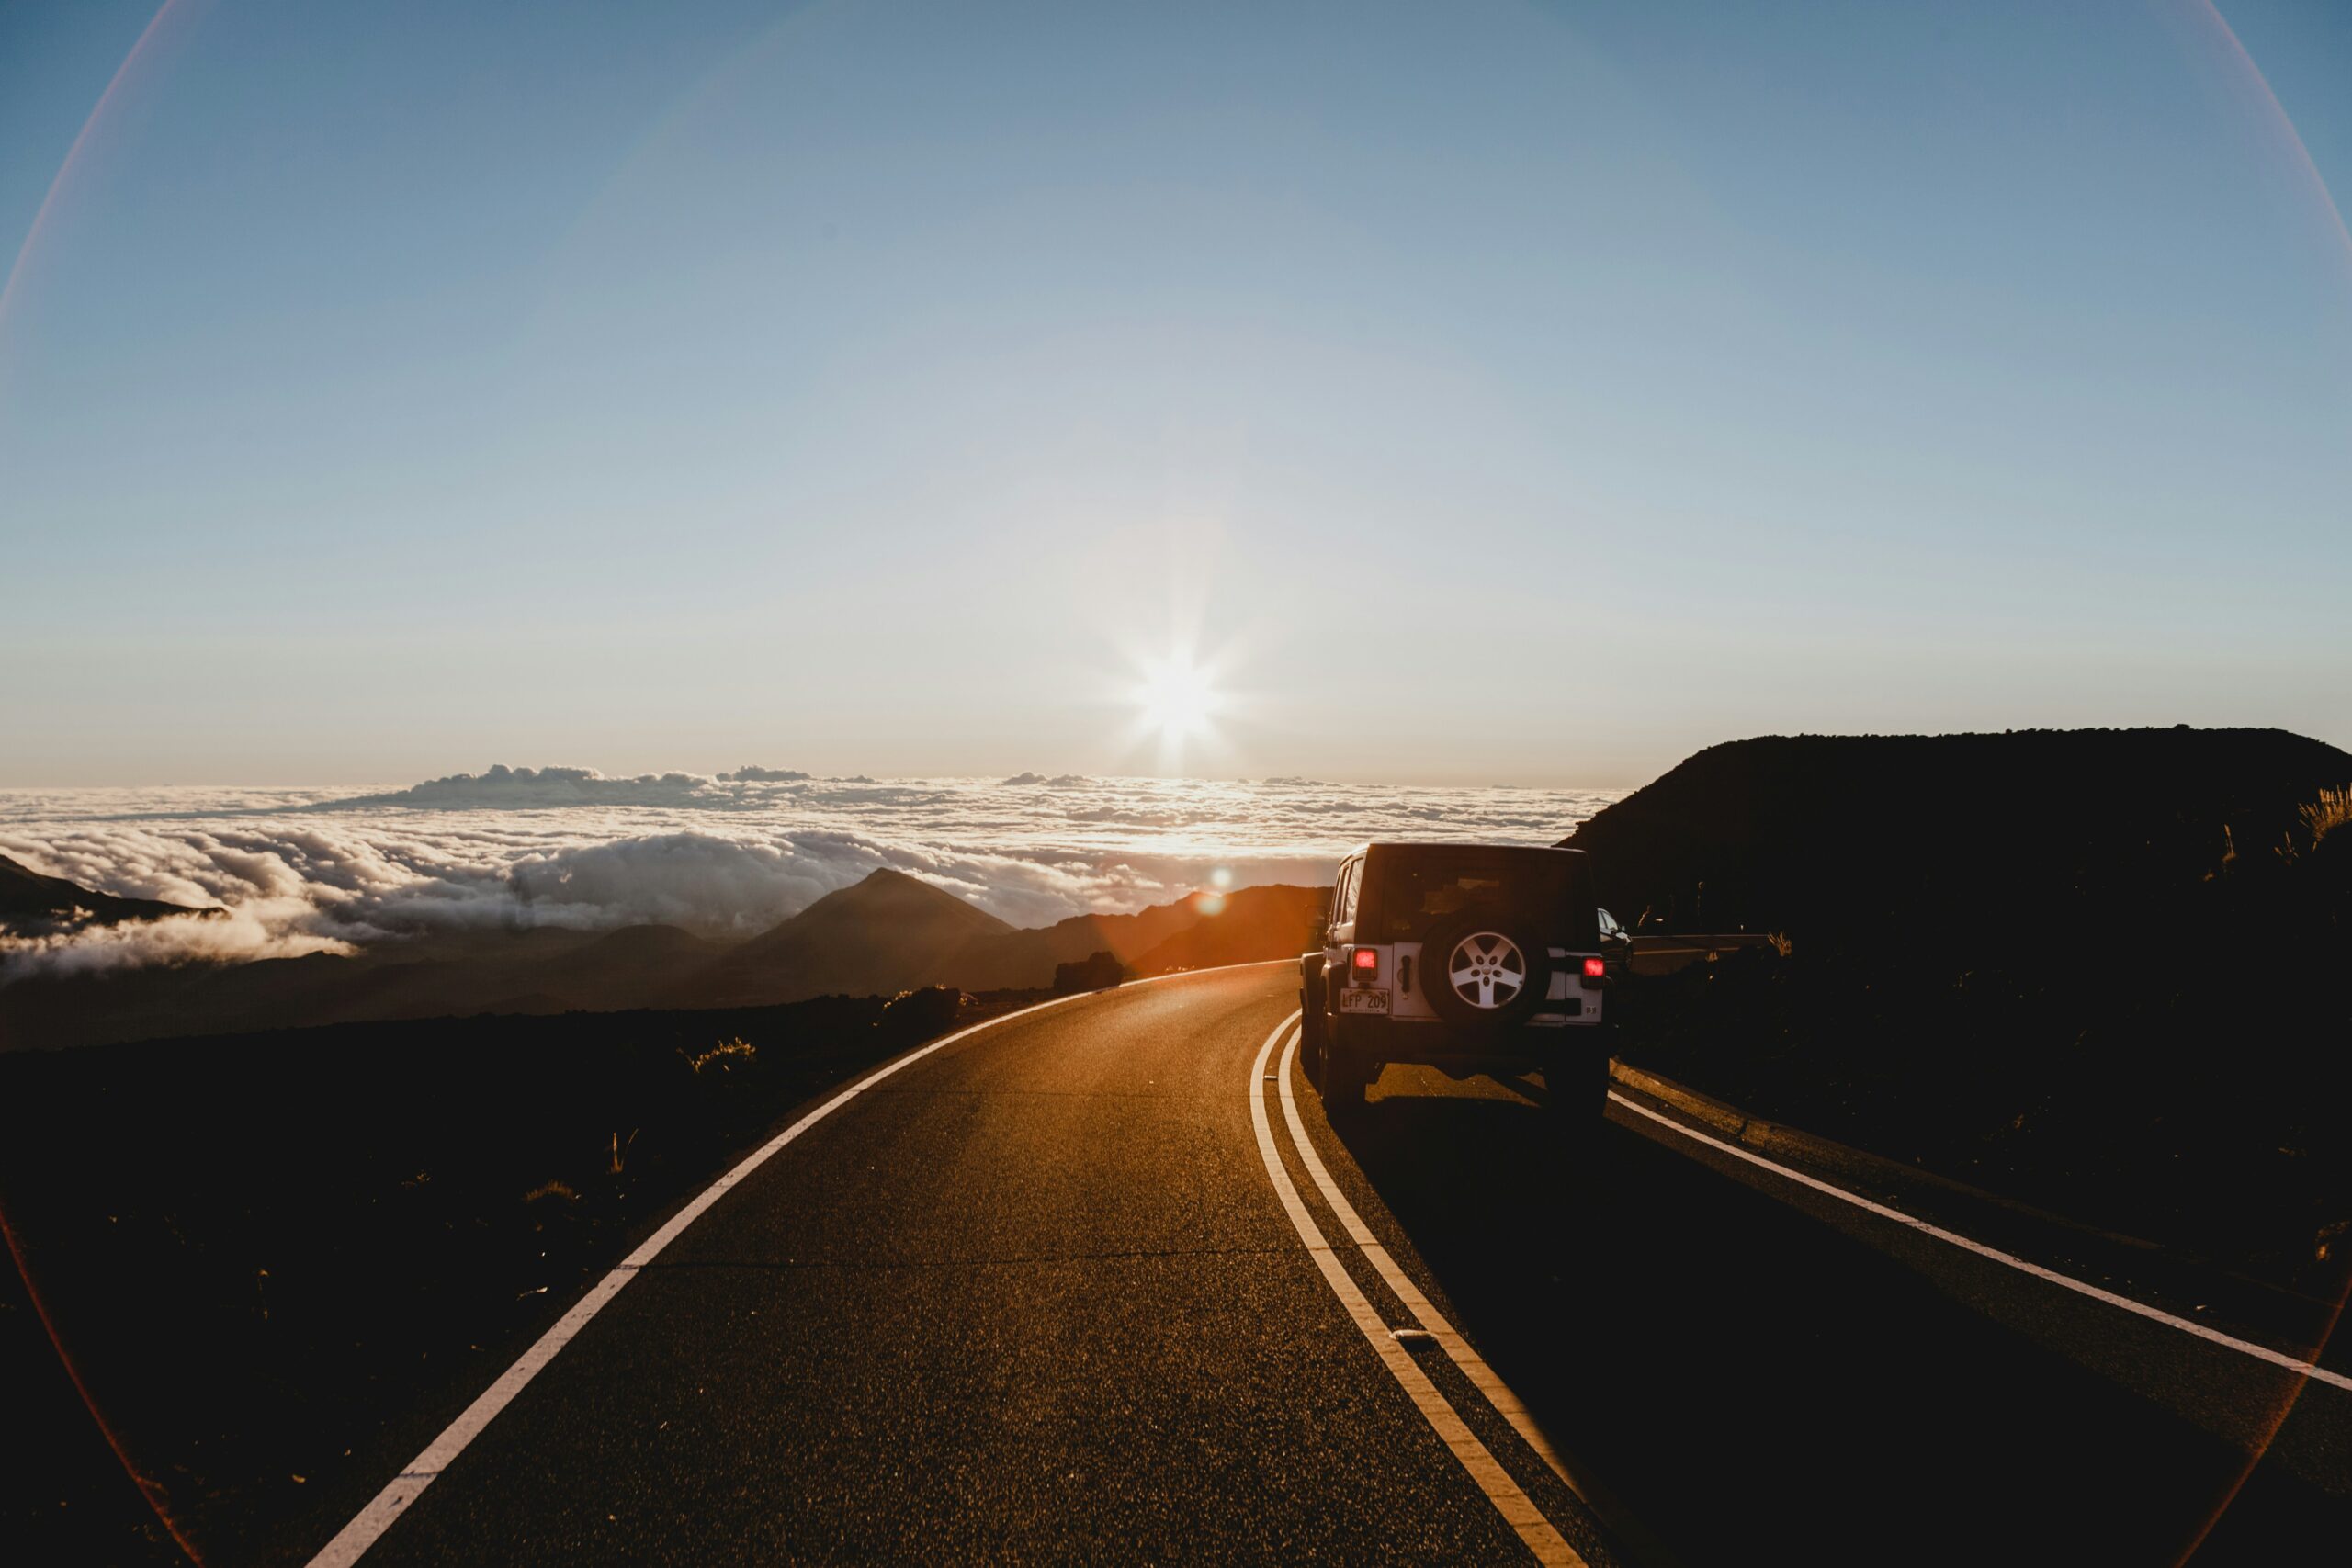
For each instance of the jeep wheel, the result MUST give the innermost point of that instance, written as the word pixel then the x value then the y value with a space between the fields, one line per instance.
pixel 1481 973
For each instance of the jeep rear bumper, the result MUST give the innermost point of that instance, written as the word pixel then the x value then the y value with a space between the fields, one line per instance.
pixel 1462 1053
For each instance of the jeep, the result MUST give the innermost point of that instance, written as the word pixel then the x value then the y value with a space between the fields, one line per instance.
pixel 1468 958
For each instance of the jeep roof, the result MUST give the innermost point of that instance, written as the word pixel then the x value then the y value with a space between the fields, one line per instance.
pixel 1394 907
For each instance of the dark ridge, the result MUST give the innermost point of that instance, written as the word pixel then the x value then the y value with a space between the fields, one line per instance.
pixel 34 905
pixel 282 1261
pixel 1254 923
pixel 2100 971
pixel 880 936
pixel 1881 836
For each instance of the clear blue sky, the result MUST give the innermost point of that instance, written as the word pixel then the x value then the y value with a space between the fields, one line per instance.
pixel 1496 393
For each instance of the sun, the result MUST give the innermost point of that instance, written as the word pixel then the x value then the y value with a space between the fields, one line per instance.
pixel 1178 700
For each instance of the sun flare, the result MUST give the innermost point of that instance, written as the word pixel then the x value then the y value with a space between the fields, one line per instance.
pixel 1177 699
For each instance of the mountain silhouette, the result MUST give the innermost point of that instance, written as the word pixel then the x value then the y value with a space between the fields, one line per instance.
pixel 34 905
pixel 887 933
pixel 892 932
pixel 1254 923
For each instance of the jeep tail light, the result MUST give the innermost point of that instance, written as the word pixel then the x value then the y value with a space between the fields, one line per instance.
pixel 1594 968
pixel 1367 962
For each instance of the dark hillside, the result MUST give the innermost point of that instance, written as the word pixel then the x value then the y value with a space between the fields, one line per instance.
pixel 891 932
pixel 883 935
pixel 1017 958
pixel 481 971
pixel 1200 929
pixel 2100 971
pixel 887 933
pixel 282 1262
pixel 1871 838
pixel 1255 923
pixel 34 905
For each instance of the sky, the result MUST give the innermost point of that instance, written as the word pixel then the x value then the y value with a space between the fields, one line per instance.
pixel 1477 393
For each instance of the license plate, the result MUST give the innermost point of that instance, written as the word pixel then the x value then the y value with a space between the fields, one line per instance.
pixel 1354 1000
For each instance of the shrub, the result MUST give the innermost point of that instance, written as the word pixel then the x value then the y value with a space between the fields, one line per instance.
pixel 726 1055
pixel 1096 972
pixel 918 1015
pixel 2332 810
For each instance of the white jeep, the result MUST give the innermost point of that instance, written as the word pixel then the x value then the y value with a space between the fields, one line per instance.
pixel 1469 958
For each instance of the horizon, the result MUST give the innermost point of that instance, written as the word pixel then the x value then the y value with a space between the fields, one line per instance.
pixel 302 870
pixel 319 869
pixel 1032 775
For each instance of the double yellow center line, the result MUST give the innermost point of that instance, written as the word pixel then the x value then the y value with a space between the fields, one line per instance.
pixel 1517 1508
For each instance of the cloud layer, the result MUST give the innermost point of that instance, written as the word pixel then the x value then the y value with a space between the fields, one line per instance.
pixel 302 871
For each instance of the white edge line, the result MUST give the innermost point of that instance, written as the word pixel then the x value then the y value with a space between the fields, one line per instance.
pixel 1518 1510
pixel 2295 1364
pixel 369 1524
pixel 1499 1394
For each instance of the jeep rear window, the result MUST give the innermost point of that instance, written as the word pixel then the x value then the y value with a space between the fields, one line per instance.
pixel 1343 896
pixel 1406 891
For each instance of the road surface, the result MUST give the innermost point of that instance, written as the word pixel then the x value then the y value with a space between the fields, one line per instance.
pixel 1067 1288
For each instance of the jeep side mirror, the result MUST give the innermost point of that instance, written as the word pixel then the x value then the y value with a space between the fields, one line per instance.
pixel 1319 931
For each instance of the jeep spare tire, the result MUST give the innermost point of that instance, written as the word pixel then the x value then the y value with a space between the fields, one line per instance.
pixel 1480 971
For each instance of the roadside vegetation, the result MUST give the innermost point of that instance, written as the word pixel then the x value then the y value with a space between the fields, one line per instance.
pixel 283 1261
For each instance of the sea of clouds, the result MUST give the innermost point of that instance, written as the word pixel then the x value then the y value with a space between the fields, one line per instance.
pixel 306 871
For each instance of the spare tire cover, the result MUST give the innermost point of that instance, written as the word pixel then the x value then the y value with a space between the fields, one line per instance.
pixel 1478 970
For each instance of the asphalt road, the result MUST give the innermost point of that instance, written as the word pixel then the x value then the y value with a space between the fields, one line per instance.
pixel 1040 1295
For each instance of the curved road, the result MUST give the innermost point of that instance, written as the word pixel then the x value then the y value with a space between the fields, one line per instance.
pixel 1097 1282
pixel 1033 1296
